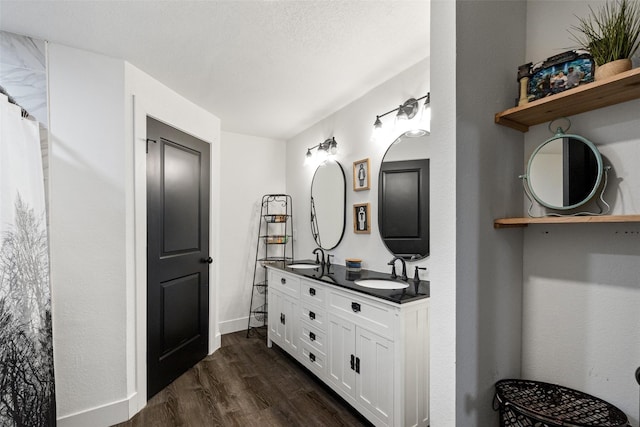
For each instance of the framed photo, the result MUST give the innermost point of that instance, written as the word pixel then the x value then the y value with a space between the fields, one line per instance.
pixel 361 218
pixel 559 73
pixel 361 179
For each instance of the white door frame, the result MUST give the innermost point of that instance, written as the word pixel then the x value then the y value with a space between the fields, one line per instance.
pixel 137 295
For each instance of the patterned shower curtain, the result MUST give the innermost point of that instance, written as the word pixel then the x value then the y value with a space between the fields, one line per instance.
pixel 26 350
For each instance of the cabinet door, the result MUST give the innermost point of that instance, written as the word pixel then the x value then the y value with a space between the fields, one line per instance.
pixel 290 325
pixel 341 354
pixel 276 328
pixel 374 382
pixel 283 329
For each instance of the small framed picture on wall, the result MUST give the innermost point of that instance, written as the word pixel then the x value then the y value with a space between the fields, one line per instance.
pixel 361 180
pixel 361 218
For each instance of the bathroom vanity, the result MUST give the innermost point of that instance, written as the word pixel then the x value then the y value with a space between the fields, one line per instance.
pixel 371 346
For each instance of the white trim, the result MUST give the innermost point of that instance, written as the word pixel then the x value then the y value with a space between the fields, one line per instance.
pixel 217 342
pixel 140 214
pixel 233 325
pixel 105 415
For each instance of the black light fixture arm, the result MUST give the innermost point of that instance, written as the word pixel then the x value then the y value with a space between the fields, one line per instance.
pixel 315 146
pixel 325 145
pixel 408 102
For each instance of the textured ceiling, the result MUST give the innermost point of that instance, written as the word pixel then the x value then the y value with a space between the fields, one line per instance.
pixel 265 68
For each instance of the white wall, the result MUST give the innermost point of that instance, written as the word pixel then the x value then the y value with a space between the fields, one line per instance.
pixel 98 229
pixel 252 167
pixel 442 332
pixel 581 324
pixel 352 128
pixel 87 218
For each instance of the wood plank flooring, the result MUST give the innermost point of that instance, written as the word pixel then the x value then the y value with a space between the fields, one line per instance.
pixel 245 383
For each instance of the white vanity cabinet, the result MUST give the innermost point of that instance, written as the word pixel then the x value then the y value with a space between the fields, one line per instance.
pixel 361 366
pixel 313 327
pixel 374 353
pixel 283 310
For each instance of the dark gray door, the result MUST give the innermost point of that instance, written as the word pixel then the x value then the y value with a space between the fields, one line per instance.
pixel 177 253
pixel 403 207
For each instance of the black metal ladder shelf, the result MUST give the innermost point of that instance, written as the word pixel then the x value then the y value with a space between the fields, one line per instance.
pixel 274 245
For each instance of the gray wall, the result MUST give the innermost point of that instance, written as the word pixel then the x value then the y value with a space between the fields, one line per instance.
pixel 581 324
pixel 490 41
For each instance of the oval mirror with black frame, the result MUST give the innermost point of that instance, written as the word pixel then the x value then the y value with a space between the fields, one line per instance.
pixel 564 172
pixel 328 200
pixel 403 197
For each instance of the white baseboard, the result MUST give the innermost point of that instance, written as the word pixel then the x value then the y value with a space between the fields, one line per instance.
pixel 105 415
pixel 233 325
pixel 118 412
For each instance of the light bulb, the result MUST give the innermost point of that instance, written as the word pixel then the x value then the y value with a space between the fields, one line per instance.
pixel 308 158
pixel 376 133
pixel 321 156
pixel 402 114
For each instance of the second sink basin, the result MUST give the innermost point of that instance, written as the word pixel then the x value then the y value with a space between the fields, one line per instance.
pixel 381 284
pixel 303 266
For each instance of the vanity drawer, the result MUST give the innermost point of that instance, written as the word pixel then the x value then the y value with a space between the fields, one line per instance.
pixel 312 292
pixel 374 316
pixel 314 360
pixel 284 283
pixel 317 317
pixel 313 337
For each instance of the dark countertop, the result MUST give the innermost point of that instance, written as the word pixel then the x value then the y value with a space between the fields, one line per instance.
pixel 338 275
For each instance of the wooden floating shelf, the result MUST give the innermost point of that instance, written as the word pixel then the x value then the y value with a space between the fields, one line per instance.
pixel 523 222
pixel 622 87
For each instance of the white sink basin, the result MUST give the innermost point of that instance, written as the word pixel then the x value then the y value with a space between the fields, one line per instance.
pixel 381 284
pixel 303 266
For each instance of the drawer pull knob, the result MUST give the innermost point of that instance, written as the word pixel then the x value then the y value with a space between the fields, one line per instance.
pixel 312 315
pixel 353 362
pixel 355 307
pixel 312 357
pixel 283 281
pixel 282 318
pixel 312 292
pixel 357 365
pixel 312 336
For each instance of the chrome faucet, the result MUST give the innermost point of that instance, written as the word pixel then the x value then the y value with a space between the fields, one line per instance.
pixel 392 263
pixel 318 261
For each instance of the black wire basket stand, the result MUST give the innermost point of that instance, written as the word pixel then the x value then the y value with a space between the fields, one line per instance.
pixel 274 246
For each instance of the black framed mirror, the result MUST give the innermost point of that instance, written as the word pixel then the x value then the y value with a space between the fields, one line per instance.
pixel 328 200
pixel 403 197
pixel 564 172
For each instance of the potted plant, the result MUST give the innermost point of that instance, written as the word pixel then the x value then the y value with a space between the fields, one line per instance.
pixel 611 34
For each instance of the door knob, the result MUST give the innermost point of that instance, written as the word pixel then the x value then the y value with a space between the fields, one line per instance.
pixel 207 260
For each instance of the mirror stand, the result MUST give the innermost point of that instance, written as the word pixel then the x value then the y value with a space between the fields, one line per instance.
pixel 600 202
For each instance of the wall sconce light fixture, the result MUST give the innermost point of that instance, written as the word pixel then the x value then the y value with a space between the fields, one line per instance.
pixel 325 150
pixel 408 111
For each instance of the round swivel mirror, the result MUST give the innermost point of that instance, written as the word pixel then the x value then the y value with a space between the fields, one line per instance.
pixel 403 196
pixel 564 172
pixel 328 199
